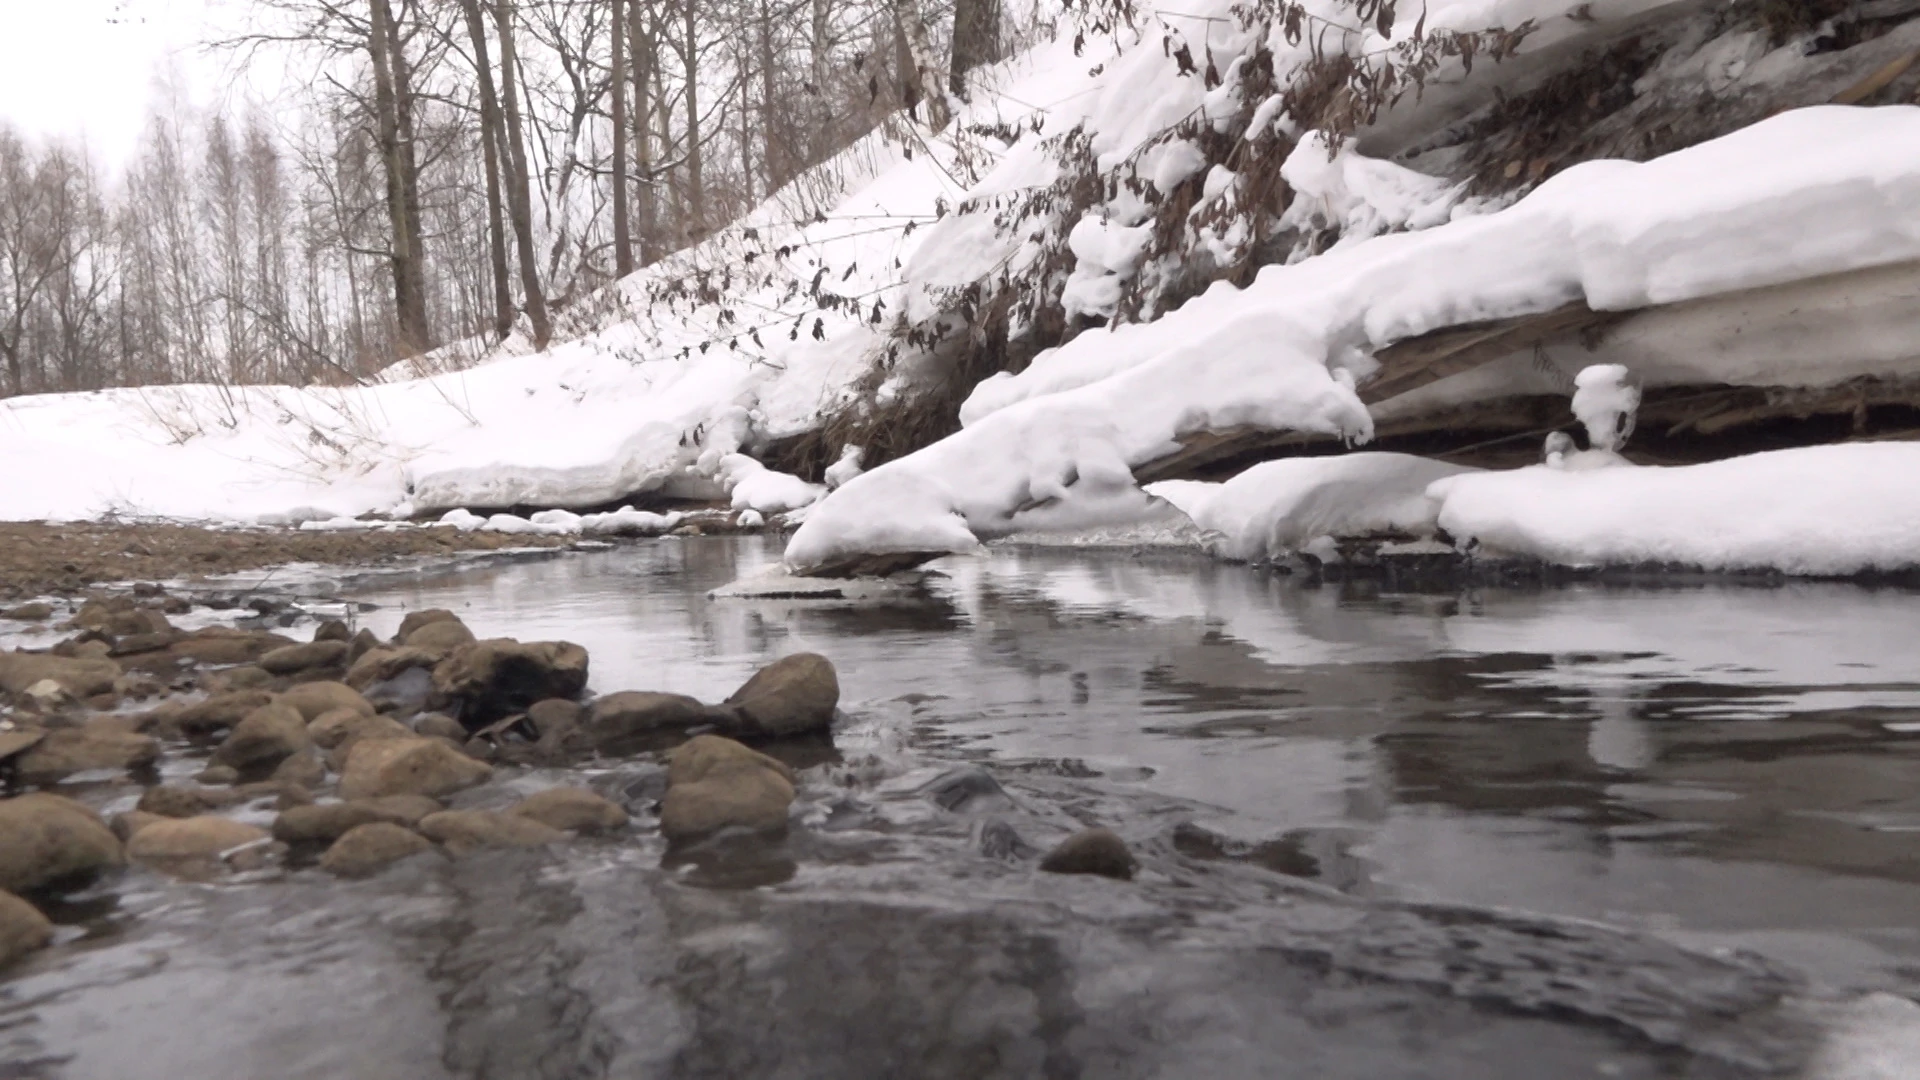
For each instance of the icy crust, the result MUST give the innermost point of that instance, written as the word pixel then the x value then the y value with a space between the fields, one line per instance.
pixel 1806 193
pixel 1824 510
pixel 1280 507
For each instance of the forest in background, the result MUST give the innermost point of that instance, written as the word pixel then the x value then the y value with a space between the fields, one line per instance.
pixel 451 170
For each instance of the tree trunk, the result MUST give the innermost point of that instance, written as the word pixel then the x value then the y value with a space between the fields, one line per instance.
pixel 776 142
pixel 976 40
pixel 696 195
pixel 817 45
pixel 519 199
pixel 409 307
pixel 414 324
pixel 490 148
pixel 641 47
pixel 617 84
pixel 925 73
pixel 746 136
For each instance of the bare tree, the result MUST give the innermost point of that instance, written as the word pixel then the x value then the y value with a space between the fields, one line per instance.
pixel 519 201
pixel 396 154
pixel 976 40
pixel 617 86
pixel 491 134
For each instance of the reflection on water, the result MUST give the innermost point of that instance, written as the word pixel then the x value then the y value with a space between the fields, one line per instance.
pixel 1737 763
pixel 1345 803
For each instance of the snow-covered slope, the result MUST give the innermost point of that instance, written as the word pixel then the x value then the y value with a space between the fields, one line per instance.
pixel 752 335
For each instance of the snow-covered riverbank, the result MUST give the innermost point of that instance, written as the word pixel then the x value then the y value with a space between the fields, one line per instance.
pixel 774 326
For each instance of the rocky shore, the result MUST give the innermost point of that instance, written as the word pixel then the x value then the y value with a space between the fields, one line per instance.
pixel 39 558
pixel 231 754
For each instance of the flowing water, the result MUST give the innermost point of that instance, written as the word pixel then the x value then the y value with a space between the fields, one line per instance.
pixel 1584 831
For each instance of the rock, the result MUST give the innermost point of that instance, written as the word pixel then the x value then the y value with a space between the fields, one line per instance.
pixel 469 830
pixel 437 726
pixel 553 714
pixel 791 696
pixel 267 736
pixel 363 643
pixel 128 822
pixel 246 677
pixel 341 728
pixel 1091 851
pixel 966 789
pixel 18 740
pixel 403 809
pixel 409 692
pixel 223 646
pixel 408 766
pixel 34 612
pixel 195 840
pixel 81 678
pixel 47 696
pixel 179 802
pixel 47 840
pixel 486 680
pixel 141 644
pixel 119 616
pixel 632 714
pixel 219 774
pixel 415 620
pixel 369 848
pixel 304 770
pixel 296 658
pixel 291 795
pixel 315 698
pixel 554 724
pixel 571 810
pixel 23 929
pixel 72 750
pixel 220 711
pixel 715 783
pixel 83 650
pixel 443 636
pixel 332 630
pixel 325 823
pixel 999 840
pixel 387 663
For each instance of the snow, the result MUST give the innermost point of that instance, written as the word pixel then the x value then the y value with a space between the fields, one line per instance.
pixel 1803 193
pixel 1065 460
pixel 1604 401
pixel 627 521
pixel 755 487
pixel 655 391
pixel 1281 507
pixel 1821 510
pixel 846 467
pixel 1335 186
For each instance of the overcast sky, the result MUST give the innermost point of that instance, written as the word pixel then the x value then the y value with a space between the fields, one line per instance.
pixel 87 68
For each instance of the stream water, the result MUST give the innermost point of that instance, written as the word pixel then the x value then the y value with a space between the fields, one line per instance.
pixel 1583 831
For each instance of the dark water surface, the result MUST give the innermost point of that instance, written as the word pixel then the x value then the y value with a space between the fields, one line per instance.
pixel 1565 833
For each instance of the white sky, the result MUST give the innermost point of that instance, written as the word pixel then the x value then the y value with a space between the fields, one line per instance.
pixel 88 68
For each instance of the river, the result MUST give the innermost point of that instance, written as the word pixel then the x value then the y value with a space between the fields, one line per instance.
pixel 1575 831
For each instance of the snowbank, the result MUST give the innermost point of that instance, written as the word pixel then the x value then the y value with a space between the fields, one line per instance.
pixel 1280 507
pixel 756 488
pixel 1065 460
pixel 1822 510
pixel 655 388
pixel 1807 193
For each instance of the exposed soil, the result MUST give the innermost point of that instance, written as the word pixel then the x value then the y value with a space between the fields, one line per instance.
pixel 38 558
